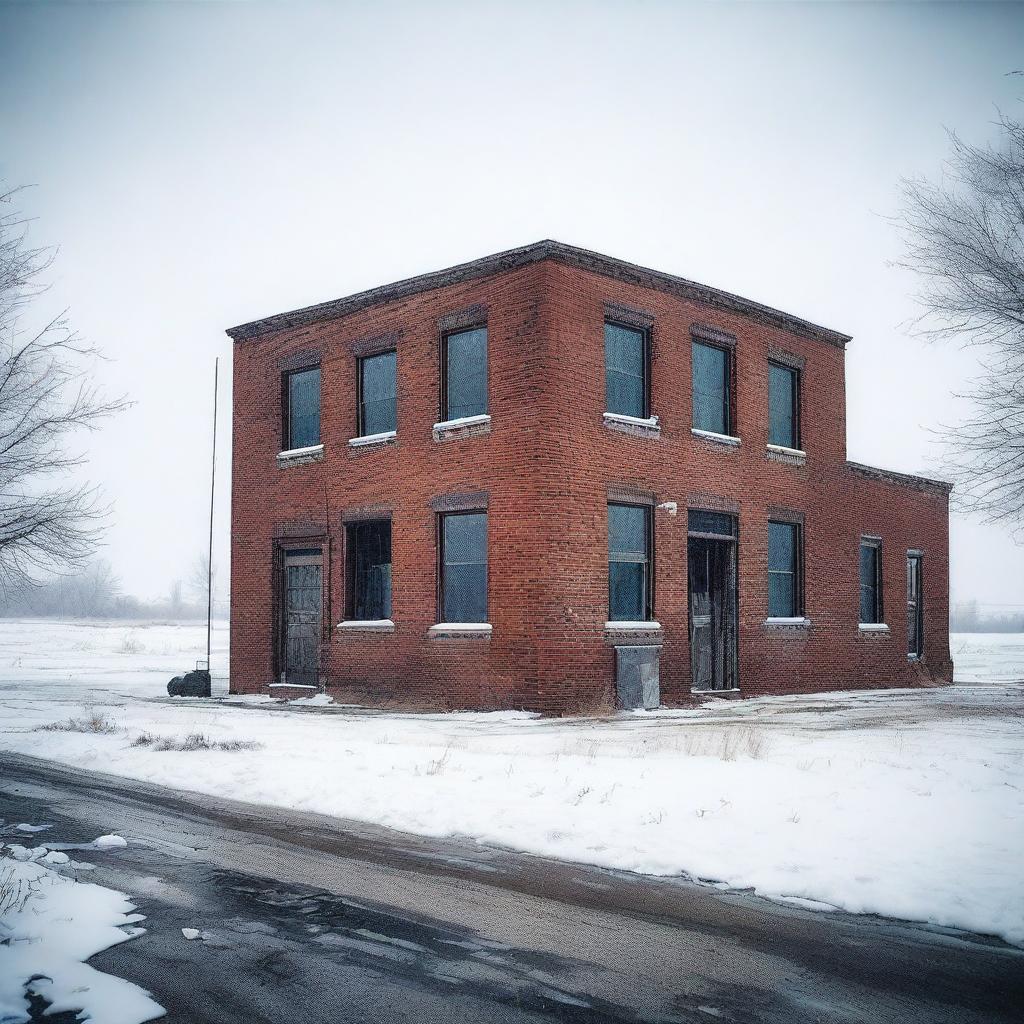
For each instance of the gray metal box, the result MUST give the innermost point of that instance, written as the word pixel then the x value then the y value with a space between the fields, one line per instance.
pixel 637 677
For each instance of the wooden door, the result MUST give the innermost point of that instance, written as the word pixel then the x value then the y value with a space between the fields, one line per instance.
pixel 302 609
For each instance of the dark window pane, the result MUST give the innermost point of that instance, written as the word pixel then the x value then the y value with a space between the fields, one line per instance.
pixel 869 581
pixel 304 408
pixel 710 388
pixel 466 374
pixel 624 359
pixel 464 567
pixel 782 594
pixel 627 530
pixel 370 559
pixel 378 391
pixel 782 547
pixel 628 563
pixel 699 521
pixel 626 591
pixel 782 401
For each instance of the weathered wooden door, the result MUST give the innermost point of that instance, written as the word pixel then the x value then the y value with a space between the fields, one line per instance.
pixel 300 628
pixel 712 613
pixel 915 607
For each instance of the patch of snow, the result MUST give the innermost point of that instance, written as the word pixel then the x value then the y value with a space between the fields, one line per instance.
pixel 110 842
pixel 32 828
pixel 56 857
pixel 45 939
pixel 190 933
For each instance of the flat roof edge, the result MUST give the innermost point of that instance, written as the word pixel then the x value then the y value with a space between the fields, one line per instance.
pixel 901 479
pixel 513 259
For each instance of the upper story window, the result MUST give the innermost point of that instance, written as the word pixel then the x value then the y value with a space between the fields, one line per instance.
pixel 627 371
pixel 302 408
pixel 712 400
pixel 870 580
pixel 369 570
pixel 785 564
pixel 464 374
pixel 630 590
pixel 378 394
pixel 783 406
pixel 463 589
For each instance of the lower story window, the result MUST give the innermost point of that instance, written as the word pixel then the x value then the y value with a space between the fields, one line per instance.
pixel 870 580
pixel 369 574
pixel 463 596
pixel 629 563
pixel 785 597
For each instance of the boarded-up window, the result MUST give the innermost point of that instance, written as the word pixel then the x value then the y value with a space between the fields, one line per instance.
pixel 302 412
pixel 629 563
pixel 625 370
pixel 464 374
pixel 378 394
pixel 783 406
pixel 870 580
pixel 464 567
pixel 784 565
pixel 711 397
pixel 369 562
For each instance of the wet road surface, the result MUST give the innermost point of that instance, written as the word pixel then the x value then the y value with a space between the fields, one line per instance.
pixel 312 919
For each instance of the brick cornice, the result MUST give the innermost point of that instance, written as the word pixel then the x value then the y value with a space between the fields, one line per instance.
pixel 513 259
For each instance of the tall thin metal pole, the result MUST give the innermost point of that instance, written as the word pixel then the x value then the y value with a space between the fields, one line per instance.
pixel 213 484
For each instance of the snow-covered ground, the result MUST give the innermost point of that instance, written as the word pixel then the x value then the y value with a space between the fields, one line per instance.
pixel 907 803
pixel 51 923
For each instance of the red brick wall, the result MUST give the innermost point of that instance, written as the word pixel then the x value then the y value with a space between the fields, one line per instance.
pixel 547 465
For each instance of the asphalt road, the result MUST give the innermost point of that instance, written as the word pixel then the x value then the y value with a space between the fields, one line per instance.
pixel 312 919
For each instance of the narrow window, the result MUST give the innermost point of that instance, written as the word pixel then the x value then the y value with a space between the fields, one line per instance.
pixel 464 374
pixel 870 580
pixel 629 563
pixel 711 398
pixel 915 606
pixel 369 570
pixel 464 567
pixel 302 408
pixel 626 371
pixel 378 394
pixel 783 406
pixel 785 593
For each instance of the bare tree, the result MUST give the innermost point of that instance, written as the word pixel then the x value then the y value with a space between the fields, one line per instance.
pixel 47 394
pixel 965 239
pixel 197 581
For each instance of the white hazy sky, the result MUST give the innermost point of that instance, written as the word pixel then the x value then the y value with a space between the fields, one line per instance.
pixel 201 165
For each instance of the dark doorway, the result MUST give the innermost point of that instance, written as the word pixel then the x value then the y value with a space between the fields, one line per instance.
pixel 712 592
pixel 915 607
pixel 301 610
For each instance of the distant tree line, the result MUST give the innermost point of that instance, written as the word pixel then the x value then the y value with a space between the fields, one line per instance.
pixel 97 593
pixel 969 617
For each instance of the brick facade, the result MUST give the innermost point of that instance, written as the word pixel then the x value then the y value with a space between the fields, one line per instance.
pixel 544 468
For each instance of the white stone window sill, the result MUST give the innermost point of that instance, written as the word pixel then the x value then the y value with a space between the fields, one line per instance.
pixel 468 425
pixel 710 435
pixel 712 693
pixel 785 620
pixel 457 629
pixel 632 627
pixel 915 657
pixel 367 626
pixel 636 425
pixel 371 439
pixel 872 627
pixel 292 686
pixel 294 456
pixel 780 453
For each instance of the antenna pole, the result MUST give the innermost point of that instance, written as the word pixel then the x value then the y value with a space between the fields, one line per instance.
pixel 213 483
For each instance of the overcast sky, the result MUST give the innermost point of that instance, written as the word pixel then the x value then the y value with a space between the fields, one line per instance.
pixel 201 165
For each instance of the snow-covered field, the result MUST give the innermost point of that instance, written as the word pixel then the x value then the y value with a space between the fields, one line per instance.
pixel 903 803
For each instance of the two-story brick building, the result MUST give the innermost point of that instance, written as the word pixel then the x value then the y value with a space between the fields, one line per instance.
pixel 554 480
